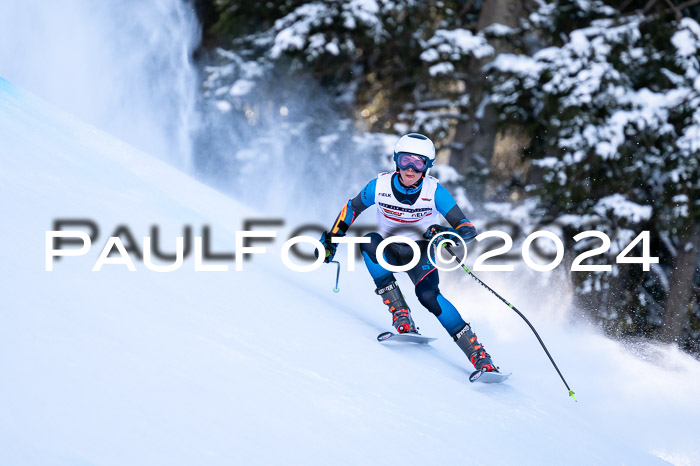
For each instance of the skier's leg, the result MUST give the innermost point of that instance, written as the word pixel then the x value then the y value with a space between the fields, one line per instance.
pixel 428 293
pixel 380 275
pixel 387 288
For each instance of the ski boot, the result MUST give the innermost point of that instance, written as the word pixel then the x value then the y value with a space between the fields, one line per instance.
pixel 392 297
pixel 467 342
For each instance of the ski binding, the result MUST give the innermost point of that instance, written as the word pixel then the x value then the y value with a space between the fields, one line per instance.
pixel 404 337
pixel 488 377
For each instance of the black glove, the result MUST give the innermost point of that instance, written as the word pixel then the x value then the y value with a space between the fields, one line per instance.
pixel 433 230
pixel 330 247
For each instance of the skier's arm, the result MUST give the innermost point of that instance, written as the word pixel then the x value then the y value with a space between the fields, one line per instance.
pixel 446 205
pixel 353 208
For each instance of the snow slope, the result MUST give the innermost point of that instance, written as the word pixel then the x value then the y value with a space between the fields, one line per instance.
pixel 269 366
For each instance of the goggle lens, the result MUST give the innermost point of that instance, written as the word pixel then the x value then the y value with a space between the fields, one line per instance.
pixel 406 161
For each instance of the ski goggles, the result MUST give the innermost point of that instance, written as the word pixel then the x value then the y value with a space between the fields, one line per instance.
pixel 405 161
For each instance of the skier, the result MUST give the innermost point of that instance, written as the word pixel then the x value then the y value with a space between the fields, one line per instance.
pixel 408 201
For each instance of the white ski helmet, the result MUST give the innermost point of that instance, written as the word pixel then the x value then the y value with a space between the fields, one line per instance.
pixel 417 144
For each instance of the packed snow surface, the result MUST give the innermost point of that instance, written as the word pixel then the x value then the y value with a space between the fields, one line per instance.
pixel 269 366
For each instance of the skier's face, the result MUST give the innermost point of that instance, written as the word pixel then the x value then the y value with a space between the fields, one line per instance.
pixel 409 177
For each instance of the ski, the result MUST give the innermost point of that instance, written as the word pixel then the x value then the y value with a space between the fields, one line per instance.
pixel 404 337
pixel 488 377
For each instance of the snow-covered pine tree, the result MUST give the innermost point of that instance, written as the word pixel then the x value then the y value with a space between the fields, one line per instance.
pixel 613 116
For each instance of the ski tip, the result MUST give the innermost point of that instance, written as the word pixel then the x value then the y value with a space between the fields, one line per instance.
pixel 384 336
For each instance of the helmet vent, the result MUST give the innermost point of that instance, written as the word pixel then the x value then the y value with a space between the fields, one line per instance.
pixel 417 136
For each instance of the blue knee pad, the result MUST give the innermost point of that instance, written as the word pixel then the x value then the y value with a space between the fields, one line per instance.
pixel 449 317
pixel 430 297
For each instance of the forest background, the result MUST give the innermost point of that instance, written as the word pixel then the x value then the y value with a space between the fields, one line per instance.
pixel 583 114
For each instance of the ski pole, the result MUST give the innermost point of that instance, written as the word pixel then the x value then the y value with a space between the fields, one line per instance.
pixel 571 392
pixel 337 276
